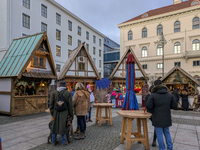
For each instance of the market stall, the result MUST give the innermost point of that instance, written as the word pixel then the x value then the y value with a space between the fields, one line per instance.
pixel 118 76
pixel 79 67
pixel 180 79
pixel 26 71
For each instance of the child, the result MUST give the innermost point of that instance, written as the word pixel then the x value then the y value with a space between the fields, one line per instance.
pixel 108 97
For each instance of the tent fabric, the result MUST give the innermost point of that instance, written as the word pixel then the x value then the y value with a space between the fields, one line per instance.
pixel 103 83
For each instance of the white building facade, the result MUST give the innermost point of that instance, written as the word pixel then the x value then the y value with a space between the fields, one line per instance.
pixel 64 30
pixel 180 24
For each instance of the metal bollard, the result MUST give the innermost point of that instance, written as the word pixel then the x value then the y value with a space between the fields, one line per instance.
pixel 0 144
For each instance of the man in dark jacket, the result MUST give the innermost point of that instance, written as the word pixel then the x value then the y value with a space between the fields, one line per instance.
pixel 176 95
pixel 160 103
pixel 60 117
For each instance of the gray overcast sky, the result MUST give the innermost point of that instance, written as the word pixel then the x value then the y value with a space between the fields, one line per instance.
pixel 105 15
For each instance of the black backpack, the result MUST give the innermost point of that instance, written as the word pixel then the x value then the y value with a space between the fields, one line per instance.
pixel 60 104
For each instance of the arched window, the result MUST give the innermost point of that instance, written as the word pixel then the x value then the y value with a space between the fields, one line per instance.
pixel 144 51
pixel 177 26
pixel 144 32
pixel 177 48
pixel 195 2
pixel 159 29
pixel 130 35
pixel 195 45
pixel 195 23
pixel 159 50
pixel 145 15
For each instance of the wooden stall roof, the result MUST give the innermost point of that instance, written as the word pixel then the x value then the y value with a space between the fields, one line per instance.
pixel 182 71
pixel 20 53
pixel 128 51
pixel 70 60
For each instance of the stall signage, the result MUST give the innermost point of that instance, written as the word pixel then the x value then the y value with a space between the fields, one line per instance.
pixel 123 74
pixel 145 89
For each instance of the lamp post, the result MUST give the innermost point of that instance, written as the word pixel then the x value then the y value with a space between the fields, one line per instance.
pixel 162 41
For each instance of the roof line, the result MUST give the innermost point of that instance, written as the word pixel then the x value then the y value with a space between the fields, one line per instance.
pixel 74 16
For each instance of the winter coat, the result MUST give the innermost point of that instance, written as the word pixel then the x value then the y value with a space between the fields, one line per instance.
pixel 176 95
pixel 185 103
pixel 146 99
pixel 60 118
pixel 81 102
pixel 159 102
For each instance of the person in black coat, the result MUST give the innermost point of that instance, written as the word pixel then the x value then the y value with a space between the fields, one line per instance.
pixel 176 95
pixel 146 99
pixel 160 102
pixel 185 103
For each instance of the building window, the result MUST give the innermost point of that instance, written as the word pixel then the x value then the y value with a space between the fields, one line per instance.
pixel 94 50
pixel 159 29
pixel 87 46
pixel 79 30
pixel 159 66
pixel 196 63
pixel 57 67
pixel 44 11
pixel 144 51
pixel 130 35
pixel 195 23
pixel 69 25
pixel 100 74
pixel 69 52
pixel 94 39
pixel 58 18
pixel 159 50
pixel 26 21
pixel 177 47
pixel 195 3
pixel 99 53
pixel 26 3
pixel 58 35
pixel 195 45
pixel 43 27
pixel 69 40
pixel 99 42
pixel 58 51
pixel 145 15
pixel 99 63
pixel 87 35
pixel 144 66
pixel 79 42
pixel 177 64
pixel 94 60
pixel 81 66
pixel 144 32
pixel 177 26
pixel 38 62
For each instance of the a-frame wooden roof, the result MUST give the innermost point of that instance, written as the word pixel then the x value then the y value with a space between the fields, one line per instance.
pixel 20 54
pixel 182 71
pixel 70 60
pixel 128 51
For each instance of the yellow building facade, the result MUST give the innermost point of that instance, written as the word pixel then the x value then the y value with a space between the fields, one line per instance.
pixel 180 26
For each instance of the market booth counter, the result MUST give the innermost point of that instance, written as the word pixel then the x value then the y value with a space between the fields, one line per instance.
pixel 118 77
pixel 26 72
pixel 179 78
pixel 79 67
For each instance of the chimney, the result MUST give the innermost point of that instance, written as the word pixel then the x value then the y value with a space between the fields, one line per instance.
pixel 177 1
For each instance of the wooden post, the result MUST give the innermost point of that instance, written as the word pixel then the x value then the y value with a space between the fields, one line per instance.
pixel 128 136
pixel 110 116
pixel 97 114
pixel 144 121
pixel 100 117
pixel 106 113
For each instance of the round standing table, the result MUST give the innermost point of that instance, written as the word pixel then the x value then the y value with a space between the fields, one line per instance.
pixel 99 117
pixel 130 115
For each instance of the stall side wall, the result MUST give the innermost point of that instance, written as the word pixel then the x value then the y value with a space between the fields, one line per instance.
pixel 5 96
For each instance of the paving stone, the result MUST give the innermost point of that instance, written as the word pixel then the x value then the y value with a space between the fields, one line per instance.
pixel 188 127
pixel 21 146
pixel 196 118
pixel 198 129
pixel 177 146
pixel 38 140
pixel 38 134
pixel 187 117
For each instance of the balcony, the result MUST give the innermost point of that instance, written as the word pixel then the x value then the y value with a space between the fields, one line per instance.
pixel 192 54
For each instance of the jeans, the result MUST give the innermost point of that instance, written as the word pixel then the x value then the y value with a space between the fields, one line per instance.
pixel 81 121
pixel 168 139
pixel 89 112
pixel 78 125
pixel 54 138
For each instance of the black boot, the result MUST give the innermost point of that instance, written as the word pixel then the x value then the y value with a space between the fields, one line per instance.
pixel 90 119
pixel 154 139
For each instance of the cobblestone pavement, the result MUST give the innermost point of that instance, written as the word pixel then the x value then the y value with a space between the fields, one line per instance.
pixel 31 131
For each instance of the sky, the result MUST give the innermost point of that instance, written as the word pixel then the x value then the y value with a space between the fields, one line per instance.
pixel 105 15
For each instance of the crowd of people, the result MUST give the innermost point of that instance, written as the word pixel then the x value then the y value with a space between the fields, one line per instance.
pixel 64 104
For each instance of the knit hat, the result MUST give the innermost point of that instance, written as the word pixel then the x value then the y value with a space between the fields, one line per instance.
pixel 87 87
